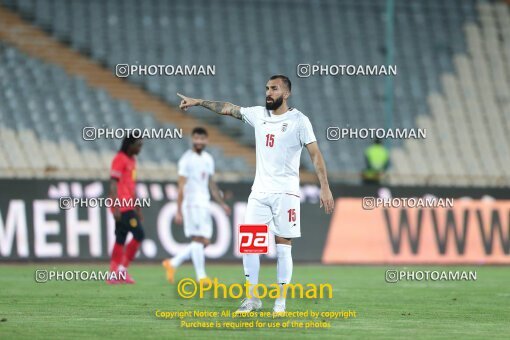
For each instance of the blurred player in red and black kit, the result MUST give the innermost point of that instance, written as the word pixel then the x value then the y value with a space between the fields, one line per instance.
pixel 127 218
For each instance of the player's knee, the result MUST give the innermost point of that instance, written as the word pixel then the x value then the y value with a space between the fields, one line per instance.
pixel 282 240
pixel 201 240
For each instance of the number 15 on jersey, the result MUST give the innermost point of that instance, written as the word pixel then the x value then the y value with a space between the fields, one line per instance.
pixel 270 140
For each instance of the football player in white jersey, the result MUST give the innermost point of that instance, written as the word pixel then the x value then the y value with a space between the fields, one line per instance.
pixel 195 168
pixel 280 134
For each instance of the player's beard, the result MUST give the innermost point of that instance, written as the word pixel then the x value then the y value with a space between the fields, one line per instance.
pixel 275 104
pixel 198 147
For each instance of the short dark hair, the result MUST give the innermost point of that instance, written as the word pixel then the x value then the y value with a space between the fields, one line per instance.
pixel 199 131
pixel 285 80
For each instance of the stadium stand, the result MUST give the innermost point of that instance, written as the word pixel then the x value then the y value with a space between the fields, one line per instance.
pixel 45 111
pixel 452 57
pixel 40 97
pixel 468 140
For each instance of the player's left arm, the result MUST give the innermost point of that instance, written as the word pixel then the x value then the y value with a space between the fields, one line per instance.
pixel 326 197
pixel 215 192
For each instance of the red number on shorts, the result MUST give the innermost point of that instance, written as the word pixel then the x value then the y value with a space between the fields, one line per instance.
pixel 292 215
pixel 269 140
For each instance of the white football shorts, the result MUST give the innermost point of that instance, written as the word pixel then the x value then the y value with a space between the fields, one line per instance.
pixel 281 212
pixel 197 221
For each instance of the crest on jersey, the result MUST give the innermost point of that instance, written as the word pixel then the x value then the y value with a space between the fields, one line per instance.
pixel 284 127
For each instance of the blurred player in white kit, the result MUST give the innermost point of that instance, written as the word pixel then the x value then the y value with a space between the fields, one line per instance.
pixel 195 169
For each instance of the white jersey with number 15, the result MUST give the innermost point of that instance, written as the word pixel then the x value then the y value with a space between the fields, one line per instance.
pixel 279 140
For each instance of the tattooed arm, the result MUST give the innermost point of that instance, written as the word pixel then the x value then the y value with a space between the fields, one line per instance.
pixel 222 108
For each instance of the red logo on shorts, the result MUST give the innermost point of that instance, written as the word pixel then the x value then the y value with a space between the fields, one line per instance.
pixel 253 239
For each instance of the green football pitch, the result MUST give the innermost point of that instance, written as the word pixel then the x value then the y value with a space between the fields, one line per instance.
pixel 407 309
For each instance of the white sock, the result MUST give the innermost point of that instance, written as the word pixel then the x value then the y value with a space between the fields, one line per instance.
pixel 181 256
pixel 251 264
pixel 198 258
pixel 283 269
